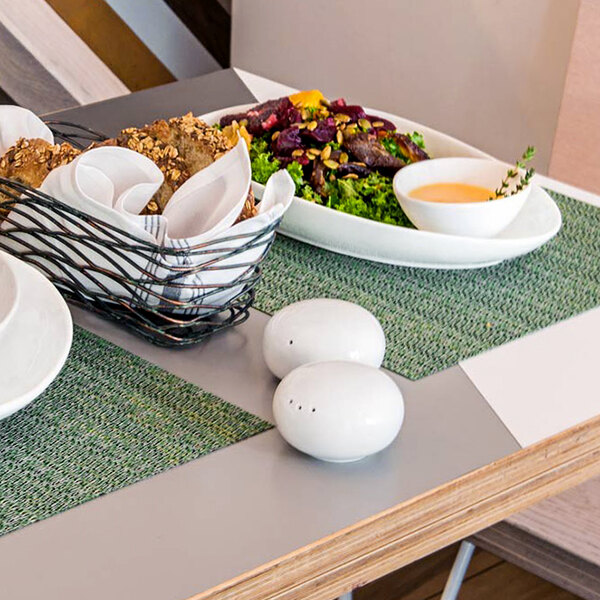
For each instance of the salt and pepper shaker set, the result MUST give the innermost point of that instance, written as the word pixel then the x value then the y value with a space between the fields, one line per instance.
pixel 334 402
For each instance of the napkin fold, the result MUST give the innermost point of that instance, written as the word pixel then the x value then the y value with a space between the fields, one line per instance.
pixel 17 122
pixel 113 185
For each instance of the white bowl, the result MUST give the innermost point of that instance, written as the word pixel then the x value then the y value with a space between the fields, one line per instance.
pixel 471 219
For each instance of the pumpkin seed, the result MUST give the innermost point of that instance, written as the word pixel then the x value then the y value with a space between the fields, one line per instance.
pixel 312 126
pixel 297 153
pixel 331 164
pixel 378 124
pixel 275 135
pixel 326 153
pixel 339 136
pixel 343 158
pixel 350 176
pixel 364 123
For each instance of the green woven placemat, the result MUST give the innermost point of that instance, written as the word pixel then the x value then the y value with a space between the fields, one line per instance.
pixel 433 318
pixel 110 419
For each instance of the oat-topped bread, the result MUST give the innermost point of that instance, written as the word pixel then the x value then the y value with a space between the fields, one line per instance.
pixel 180 147
pixel 30 160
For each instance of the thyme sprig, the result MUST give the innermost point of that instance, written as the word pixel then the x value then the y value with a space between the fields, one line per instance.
pixel 512 174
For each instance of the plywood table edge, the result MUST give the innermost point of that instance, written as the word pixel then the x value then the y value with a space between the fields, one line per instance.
pixel 412 529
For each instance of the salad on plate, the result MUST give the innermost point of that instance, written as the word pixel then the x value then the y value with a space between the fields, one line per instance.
pixel 338 155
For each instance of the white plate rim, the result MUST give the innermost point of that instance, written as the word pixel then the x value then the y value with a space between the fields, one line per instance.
pixel 14 286
pixel 411 234
pixel 52 299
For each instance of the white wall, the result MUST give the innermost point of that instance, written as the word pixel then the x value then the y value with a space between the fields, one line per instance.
pixel 490 72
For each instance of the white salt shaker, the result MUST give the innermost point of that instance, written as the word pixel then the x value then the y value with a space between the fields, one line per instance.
pixel 321 330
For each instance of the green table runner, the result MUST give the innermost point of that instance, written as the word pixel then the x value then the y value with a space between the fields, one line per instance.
pixel 109 420
pixel 434 318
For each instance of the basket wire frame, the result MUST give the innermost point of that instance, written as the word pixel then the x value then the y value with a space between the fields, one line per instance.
pixel 113 273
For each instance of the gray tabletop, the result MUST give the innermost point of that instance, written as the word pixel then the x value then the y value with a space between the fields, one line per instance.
pixel 197 525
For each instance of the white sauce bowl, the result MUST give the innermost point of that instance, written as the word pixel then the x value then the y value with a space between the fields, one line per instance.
pixel 470 219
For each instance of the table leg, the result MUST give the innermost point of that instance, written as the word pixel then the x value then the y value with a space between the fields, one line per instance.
pixel 459 568
pixel 347 596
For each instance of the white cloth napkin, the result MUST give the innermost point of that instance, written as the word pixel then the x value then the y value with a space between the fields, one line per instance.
pixel 17 122
pixel 114 184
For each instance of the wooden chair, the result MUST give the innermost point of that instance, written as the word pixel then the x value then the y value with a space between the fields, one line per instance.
pixel 557 540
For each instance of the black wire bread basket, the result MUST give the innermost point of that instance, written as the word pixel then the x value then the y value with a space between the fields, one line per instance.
pixel 170 296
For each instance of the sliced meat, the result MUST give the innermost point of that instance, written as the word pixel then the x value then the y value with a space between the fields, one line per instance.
pixel 367 149
pixel 278 113
pixel 354 168
pixel 409 148
pixel 317 178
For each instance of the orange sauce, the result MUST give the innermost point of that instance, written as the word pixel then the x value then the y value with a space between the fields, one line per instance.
pixel 452 192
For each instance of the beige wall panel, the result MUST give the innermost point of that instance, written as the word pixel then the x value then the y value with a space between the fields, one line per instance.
pixel 576 153
pixel 490 72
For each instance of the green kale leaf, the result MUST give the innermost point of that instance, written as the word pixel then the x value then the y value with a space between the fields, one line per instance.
pixel 371 197
pixel 417 138
pixel 295 170
pixel 263 163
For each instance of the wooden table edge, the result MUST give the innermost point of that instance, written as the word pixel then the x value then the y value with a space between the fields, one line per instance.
pixel 412 529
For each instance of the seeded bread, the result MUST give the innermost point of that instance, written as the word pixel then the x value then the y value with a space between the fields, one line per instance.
pixel 179 147
pixel 30 160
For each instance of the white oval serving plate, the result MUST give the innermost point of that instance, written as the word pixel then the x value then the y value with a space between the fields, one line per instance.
pixel 340 232
pixel 9 291
pixel 35 342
